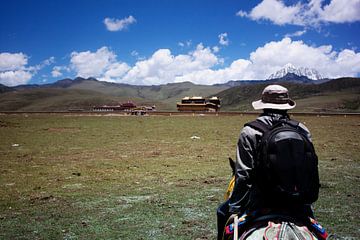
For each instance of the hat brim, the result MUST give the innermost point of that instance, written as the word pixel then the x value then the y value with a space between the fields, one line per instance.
pixel 257 105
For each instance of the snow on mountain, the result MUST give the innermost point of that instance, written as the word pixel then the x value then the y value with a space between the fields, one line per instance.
pixel 302 71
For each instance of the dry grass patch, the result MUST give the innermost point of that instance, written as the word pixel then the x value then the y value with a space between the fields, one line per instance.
pixel 105 177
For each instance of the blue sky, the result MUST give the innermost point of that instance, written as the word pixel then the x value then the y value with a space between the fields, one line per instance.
pixel 164 41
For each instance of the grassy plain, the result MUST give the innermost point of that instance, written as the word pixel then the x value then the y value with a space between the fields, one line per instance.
pixel 118 177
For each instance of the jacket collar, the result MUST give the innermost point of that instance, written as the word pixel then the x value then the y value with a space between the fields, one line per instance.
pixel 272 115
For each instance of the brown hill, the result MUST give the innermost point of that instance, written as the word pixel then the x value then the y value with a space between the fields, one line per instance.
pixel 342 94
pixel 85 93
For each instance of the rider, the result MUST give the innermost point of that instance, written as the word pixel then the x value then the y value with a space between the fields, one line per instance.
pixel 275 102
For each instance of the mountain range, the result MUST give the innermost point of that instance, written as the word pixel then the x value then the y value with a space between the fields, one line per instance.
pixel 337 95
pixel 309 73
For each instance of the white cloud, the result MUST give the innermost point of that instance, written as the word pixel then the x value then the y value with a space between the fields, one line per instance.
pixel 134 53
pixel 185 44
pixel 114 72
pixel 14 70
pixel 101 64
pixel 347 62
pixel 57 71
pixel 114 25
pixel 296 34
pixel 241 13
pixel 163 67
pixel 215 49
pixel 43 64
pixel 329 63
pixel 223 39
pixel 12 61
pixel 237 70
pixel 48 61
pixel 312 13
pixel 277 12
pixel 340 11
pixel 262 62
pixel 92 64
pixel 15 77
pixel 203 66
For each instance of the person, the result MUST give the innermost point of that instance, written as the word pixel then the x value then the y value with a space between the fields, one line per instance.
pixel 246 196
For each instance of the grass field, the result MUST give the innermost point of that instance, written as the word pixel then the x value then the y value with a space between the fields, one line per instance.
pixel 118 177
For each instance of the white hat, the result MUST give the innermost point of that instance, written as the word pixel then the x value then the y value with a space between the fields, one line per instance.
pixel 274 97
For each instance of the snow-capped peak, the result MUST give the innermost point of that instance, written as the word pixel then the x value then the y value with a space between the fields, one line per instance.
pixel 289 66
pixel 302 71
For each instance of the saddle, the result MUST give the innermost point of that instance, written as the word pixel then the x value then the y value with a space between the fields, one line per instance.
pixel 267 226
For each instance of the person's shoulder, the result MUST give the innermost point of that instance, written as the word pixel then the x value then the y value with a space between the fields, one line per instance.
pixel 302 125
pixel 247 130
pixel 305 130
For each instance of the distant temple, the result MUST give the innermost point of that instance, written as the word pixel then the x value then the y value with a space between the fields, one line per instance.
pixel 124 107
pixel 199 104
pixel 128 106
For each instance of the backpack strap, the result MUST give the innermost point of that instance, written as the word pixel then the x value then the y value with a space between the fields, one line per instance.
pixel 263 127
pixel 296 125
pixel 292 123
pixel 259 126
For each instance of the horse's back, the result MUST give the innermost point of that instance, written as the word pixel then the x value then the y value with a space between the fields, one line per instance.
pixel 279 231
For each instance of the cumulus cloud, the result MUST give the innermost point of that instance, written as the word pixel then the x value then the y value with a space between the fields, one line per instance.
pixel 12 61
pixel 339 11
pixel 223 39
pixel 114 25
pixel 15 77
pixel 312 13
pixel 114 71
pixel 92 64
pixel 57 71
pixel 164 67
pixel 237 70
pixel 14 70
pixel 277 12
pixel 204 66
pixel 101 64
pixel 274 55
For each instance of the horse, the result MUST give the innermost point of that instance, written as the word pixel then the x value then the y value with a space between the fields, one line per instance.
pixel 268 226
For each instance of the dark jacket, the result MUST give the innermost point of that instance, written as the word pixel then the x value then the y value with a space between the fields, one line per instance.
pixel 245 196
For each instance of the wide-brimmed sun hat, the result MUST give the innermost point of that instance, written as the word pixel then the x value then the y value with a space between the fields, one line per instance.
pixel 274 97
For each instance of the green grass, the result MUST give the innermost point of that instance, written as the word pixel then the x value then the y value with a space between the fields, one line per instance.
pixel 82 177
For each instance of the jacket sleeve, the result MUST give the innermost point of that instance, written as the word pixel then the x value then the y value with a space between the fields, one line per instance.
pixel 244 164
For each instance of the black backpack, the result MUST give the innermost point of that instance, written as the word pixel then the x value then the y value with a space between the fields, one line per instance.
pixel 286 165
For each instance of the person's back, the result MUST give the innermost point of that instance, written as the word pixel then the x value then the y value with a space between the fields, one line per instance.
pixel 247 196
pixel 253 189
